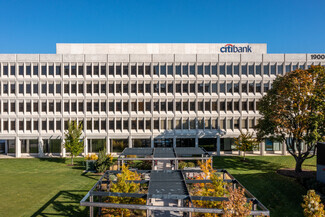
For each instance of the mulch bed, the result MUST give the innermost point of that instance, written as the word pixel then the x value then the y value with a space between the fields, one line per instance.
pixel 291 173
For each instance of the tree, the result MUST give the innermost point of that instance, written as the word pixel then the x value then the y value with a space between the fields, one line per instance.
pixel 73 142
pixel 312 205
pixel 237 205
pixel 246 142
pixel 293 112
pixel 123 185
pixel 104 161
pixel 214 189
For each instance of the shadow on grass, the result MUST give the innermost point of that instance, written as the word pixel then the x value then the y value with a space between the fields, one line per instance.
pixel 64 203
pixel 54 159
pixel 281 195
pixel 236 163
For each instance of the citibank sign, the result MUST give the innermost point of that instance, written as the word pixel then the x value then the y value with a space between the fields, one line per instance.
pixel 231 48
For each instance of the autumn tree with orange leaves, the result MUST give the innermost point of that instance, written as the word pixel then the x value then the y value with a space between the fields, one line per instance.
pixel 293 111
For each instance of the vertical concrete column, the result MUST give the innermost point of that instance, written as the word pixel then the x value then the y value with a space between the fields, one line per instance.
pixel 40 147
pixel 63 149
pixel 130 142
pixel 108 145
pixel 27 145
pixel 18 147
pixel 284 148
pixel 262 148
pixel 85 146
pixel 218 145
pixel 196 141
pixel 174 142
pixel 152 142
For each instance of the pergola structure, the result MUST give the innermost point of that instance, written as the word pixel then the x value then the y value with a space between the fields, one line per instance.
pixel 164 154
pixel 164 185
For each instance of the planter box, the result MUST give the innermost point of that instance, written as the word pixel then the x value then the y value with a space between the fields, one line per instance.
pixel 90 165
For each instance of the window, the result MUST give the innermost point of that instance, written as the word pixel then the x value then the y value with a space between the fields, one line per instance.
pixel 207 69
pixel 103 106
pixel 51 88
pixel 21 107
pixel 229 106
pixel 200 69
pixel 236 69
pixel 266 87
pixel 103 72
pixel 44 125
pixel 170 106
pixel 96 70
pixel 178 69
pixel 51 70
pixel 266 69
pixel 58 125
pixel 89 107
pixel 21 88
pixel 222 69
pixel 43 68
pixel 58 88
pixel 89 88
pixel 81 107
pixel 229 69
pixel 214 69
pixel 244 87
pixel 244 106
pixel 170 87
pixel 66 70
pixel 185 69
pixel 147 68
pixel 251 87
pixel 223 106
pixel 251 69
pixel 162 70
pixel 58 70
pixel 126 125
pixel 35 106
pixel 141 70
pixel 12 89
pixel 229 87
pixel 21 70
pixel 244 69
pixel 280 69
pixel 58 107
pixel 258 88
pixel 258 69
pixel 222 87
pixel 66 106
pixel 111 70
pixel 66 88
pixel 192 69
pixel 251 106
pixel 81 70
pixel 170 70
pixel 88 70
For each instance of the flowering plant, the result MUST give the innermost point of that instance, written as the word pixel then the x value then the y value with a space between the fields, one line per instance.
pixel 312 205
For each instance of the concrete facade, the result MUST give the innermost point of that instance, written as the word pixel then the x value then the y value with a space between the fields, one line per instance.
pixel 137 95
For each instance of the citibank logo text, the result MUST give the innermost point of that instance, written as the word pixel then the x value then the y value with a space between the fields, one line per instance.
pixel 230 48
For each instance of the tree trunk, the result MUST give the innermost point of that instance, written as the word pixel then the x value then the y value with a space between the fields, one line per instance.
pixel 244 155
pixel 71 160
pixel 299 162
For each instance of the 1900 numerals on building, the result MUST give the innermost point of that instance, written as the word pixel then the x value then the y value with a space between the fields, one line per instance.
pixel 317 56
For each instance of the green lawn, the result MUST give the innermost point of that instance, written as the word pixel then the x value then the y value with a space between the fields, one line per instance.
pixel 281 195
pixel 42 187
pixel 47 187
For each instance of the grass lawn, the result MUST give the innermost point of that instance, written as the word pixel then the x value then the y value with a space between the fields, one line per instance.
pixel 43 187
pixel 281 195
pixel 48 187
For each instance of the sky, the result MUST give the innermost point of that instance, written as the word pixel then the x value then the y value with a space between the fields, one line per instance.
pixel 287 26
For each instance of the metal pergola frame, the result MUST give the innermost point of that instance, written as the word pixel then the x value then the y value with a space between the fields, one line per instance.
pixel 164 154
pixel 160 191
